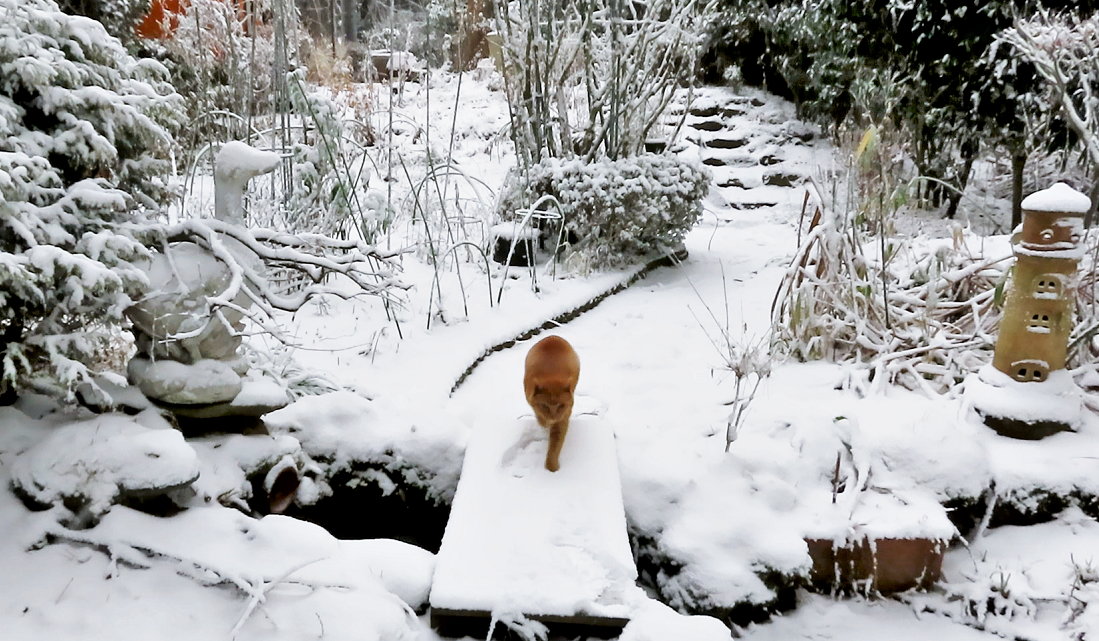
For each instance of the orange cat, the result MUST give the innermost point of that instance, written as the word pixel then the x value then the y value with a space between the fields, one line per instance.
pixel 552 369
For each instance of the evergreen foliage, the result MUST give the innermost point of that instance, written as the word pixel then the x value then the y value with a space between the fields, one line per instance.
pixel 82 129
pixel 932 67
pixel 118 17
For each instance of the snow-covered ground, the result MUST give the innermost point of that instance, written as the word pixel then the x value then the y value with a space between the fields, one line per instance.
pixel 651 373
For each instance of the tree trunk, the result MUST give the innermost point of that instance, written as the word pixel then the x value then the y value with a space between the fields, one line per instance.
pixel 956 197
pixel 350 21
pixel 1018 164
pixel 1094 203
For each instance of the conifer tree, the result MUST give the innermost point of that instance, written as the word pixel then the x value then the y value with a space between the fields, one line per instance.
pixel 84 129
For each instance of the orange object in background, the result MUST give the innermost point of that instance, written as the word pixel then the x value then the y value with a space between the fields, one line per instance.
pixel 153 26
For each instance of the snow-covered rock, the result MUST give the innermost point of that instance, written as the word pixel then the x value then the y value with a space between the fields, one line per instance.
pixel 88 465
pixel 229 461
pixel 418 444
pixel 203 382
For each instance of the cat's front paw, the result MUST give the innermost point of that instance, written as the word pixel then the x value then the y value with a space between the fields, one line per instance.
pixel 552 466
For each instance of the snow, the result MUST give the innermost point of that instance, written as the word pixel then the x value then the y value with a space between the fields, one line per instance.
pixel 511 231
pixel 724 520
pixel 225 463
pixel 235 165
pixel 400 436
pixel 820 617
pixel 259 390
pixel 1057 398
pixel 238 158
pixel 91 462
pixel 204 381
pixel 655 621
pixel 523 539
pixel 401 61
pixel 1058 198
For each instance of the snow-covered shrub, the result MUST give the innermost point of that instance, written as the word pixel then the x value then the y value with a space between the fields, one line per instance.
pixel 924 320
pixel 620 209
pixel 83 131
pixel 593 78
pixel 329 194
pixel 279 365
pixel 119 17
pixel 220 63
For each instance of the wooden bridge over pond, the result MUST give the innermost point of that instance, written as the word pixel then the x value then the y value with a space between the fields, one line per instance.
pixel 551 547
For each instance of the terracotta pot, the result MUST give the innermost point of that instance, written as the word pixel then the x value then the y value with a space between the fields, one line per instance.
pixel 882 565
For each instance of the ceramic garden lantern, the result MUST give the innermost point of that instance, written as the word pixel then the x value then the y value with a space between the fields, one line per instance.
pixel 1027 393
pixel 1038 309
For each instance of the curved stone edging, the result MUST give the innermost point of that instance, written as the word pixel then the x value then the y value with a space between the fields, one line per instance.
pixel 667 260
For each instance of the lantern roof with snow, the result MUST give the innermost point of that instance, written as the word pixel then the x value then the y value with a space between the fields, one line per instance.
pixel 1059 198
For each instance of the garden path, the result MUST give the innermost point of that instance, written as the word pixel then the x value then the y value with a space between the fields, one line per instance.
pixel 632 349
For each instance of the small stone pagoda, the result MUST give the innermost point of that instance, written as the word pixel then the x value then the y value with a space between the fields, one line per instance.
pixel 1032 345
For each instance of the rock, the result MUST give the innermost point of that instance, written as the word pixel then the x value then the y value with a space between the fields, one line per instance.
pixel 707 112
pixel 204 382
pixel 258 396
pixel 183 279
pixel 708 125
pixel 109 395
pixel 89 465
pixel 782 180
pixel 713 162
pixel 727 143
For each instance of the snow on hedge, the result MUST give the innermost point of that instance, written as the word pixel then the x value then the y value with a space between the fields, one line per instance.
pixel 620 209
pixel 84 129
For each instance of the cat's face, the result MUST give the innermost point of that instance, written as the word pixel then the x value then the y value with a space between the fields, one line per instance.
pixel 553 403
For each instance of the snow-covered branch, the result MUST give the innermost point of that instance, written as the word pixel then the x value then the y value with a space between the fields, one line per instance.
pixel 1064 48
pixel 245 253
pixel 595 77
pixel 927 329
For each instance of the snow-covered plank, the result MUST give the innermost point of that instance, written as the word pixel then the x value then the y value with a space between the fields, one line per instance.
pixel 522 540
